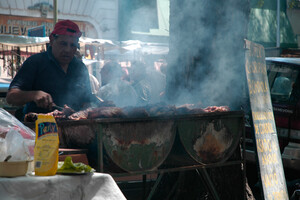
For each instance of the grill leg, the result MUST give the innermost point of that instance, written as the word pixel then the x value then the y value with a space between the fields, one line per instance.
pixel 144 185
pixel 155 186
pixel 207 181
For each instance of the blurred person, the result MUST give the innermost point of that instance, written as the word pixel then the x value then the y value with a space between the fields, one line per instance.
pixel 125 76
pixel 140 82
pixel 157 80
pixel 110 71
pixel 114 88
pixel 54 77
pixel 163 70
pixel 95 85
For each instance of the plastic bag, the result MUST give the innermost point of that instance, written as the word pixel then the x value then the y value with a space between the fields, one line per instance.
pixel 16 139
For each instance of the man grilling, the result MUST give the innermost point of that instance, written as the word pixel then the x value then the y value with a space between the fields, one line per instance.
pixel 54 77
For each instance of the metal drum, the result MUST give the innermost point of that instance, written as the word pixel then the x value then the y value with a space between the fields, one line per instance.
pixel 144 144
pixel 138 145
pixel 211 137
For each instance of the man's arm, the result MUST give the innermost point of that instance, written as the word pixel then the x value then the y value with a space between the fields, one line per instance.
pixel 19 97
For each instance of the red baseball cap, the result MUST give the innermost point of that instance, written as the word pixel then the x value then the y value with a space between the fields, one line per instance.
pixel 66 27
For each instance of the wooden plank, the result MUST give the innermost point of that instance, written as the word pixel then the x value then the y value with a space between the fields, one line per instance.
pixel 267 147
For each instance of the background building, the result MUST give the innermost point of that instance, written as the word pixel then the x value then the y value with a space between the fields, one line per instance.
pixel 96 19
pixel 145 20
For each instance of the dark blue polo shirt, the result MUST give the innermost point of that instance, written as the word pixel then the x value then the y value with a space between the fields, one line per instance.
pixel 42 72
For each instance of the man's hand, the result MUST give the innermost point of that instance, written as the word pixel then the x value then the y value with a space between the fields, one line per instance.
pixel 43 100
pixel 19 97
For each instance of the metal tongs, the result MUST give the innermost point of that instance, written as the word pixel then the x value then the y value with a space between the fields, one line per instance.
pixel 57 107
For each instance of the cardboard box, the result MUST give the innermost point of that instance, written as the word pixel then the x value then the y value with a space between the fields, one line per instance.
pixel 13 169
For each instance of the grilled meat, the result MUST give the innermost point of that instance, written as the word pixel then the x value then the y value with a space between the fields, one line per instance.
pixel 135 112
pixel 83 114
pixel 106 112
pixel 68 110
pixel 99 112
pixel 193 109
pixel 189 109
pixel 31 117
pixel 216 109
pixel 160 109
pixel 157 110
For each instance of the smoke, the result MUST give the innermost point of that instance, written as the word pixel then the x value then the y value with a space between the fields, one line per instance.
pixel 206 51
pixel 143 19
pixel 206 57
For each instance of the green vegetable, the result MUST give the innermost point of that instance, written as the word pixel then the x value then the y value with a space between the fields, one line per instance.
pixel 69 167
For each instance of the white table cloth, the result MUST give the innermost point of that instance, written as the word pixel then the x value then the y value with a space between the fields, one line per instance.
pixel 96 186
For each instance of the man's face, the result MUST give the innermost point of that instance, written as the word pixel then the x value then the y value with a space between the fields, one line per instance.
pixel 64 48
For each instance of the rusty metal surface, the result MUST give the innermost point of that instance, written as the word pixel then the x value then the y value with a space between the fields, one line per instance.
pixel 138 146
pixel 73 134
pixel 210 140
pixel 77 136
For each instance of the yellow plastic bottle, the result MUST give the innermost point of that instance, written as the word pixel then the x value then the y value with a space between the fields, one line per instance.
pixel 46 146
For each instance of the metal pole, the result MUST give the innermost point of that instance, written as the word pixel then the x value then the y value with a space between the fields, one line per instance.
pixel 54 12
pixel 278 24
